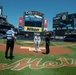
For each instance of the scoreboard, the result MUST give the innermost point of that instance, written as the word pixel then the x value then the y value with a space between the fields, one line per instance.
pixel 56 21
pixel 33 21
pixel 64 20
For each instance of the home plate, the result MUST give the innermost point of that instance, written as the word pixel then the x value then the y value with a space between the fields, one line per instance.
pixel 31 49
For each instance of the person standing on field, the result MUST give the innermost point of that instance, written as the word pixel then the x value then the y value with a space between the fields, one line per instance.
pixel 10 34
pixel 47 40
pixel 37 41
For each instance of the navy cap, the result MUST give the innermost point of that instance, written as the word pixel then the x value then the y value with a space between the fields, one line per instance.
pixel 12 27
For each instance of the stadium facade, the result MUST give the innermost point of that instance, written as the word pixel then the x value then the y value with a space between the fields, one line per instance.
pixel 4 24
pixel 64 25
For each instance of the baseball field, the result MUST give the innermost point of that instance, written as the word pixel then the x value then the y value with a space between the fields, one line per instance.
pixel 60 61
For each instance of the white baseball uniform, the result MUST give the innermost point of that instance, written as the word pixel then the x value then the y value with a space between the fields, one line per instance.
pixel 37 41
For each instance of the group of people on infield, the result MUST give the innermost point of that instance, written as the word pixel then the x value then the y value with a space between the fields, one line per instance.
pixel 10 34
pixel 37 41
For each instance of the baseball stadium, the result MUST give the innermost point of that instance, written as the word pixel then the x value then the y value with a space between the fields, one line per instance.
pixel 4 24
pixel 61 59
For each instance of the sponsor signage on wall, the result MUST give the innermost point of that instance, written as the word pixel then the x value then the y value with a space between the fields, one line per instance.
pixel 45 24
pixel 20 21
pixel 34 13
pixel 32 29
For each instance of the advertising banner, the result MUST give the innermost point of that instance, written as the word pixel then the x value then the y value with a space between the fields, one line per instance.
pixel 32 29
pixel 20 21
pixel 45 24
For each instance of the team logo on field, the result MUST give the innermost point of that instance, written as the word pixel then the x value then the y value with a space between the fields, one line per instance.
pixel 34 64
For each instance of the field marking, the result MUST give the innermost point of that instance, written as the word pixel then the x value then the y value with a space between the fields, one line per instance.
pixel 34 64
pixel 31 49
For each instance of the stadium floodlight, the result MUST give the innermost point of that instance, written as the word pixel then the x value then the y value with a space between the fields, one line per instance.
pixel 1 8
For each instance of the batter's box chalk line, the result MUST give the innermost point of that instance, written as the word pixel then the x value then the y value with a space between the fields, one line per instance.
pixel 30 48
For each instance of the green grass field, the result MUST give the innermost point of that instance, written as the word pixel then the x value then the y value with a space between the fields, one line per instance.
pixel 62 70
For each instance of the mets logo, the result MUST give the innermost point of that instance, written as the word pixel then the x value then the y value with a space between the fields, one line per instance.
pixel 34 64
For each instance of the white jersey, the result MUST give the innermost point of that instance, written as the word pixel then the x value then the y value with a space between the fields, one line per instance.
pixel 37 39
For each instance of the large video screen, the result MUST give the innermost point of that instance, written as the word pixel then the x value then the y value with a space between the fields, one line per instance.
pixel 33 20
pixel 60 17
pixel 62 23
pixel 56 22
pixel 66 23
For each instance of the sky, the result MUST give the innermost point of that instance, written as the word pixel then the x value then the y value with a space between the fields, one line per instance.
pixel 15 8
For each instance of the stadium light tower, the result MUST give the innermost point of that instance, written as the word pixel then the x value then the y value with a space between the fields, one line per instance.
pixel 1 9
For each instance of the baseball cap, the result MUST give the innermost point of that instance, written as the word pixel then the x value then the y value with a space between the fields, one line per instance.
pixel 12 27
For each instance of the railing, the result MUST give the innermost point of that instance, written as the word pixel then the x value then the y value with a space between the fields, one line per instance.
pixel 68 32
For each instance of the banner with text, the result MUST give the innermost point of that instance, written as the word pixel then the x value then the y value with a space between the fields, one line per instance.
pixel 45 24
pixel 32 29
pixel 20 21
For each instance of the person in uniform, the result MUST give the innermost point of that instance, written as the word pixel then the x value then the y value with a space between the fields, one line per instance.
pixel 10 35
pixel 37 41
pixel 47 40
